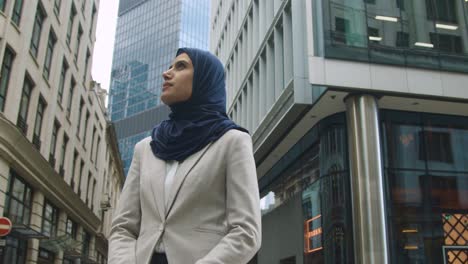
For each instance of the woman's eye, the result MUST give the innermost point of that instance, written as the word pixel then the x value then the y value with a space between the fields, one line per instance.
pixel 180 66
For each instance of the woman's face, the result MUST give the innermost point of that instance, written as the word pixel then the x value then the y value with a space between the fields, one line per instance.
pixel 178 79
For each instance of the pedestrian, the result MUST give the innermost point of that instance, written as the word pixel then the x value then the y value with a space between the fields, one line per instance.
pixel 191 193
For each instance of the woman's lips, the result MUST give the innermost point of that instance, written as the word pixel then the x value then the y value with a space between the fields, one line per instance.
pixel 166 86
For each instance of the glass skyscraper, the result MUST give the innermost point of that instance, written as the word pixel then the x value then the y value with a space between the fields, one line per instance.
pixel 148 34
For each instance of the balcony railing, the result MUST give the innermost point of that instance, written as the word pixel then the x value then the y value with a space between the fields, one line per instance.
pixel 22 125
pixel 52 160
pixel 61 171
pixel 37 142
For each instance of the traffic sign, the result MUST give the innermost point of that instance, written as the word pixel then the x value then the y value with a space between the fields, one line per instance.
pixel 5 226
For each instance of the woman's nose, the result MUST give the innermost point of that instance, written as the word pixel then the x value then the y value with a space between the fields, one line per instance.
pixel 166 75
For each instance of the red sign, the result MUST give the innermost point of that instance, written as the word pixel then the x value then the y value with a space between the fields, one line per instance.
pixel 5 226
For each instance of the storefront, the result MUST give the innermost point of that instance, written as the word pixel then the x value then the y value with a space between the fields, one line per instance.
pixel 306 196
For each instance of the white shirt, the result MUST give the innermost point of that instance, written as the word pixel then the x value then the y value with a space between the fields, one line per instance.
pixel 171 169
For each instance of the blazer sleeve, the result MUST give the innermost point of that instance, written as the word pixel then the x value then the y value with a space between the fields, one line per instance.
pixel 243 239
pixel 125 225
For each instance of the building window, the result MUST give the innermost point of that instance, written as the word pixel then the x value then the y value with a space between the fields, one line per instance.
pixel 86 243
pixel 80 174
pixel 447 43
pixel 93 14
pixel 63 75
pixel 75 160
pixel 85 129
pixel 24 105
pixel 97 150
pixel 341 28
pixel 373 34
pixel 400 4
pixel 425 173
pixel 49 220
pixel 49 53
pixel 2 5
pixel 18 200
pixel 85 72
pixel 70 24
pixel 92 144
pixel 438 147
pixel 88 188
pixel 71 228
pixel 7 65
pixel 78 42
pixel 38 124
pixel 37 29
pixel 92 194
pixel 62 155
pixel 78 128
pixel 70 96
pixel 441 10
pixel 402 40
pixel 53 143
pixel 57 4
pixel 17 9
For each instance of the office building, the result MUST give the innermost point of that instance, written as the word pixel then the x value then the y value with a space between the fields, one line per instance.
pixel 359 119
pixel 60 169
pixel 149 32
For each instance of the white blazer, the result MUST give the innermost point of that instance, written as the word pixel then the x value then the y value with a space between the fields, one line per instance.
pixel 213 211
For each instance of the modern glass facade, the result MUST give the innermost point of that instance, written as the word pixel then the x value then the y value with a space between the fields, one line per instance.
pixel 308 194
pixel 148 35
pixel 426 171
pixel 429 34
pixel 314 177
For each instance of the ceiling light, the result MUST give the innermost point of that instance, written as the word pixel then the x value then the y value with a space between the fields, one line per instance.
pixel 409 231
pixel 375 38
pixel 411 247
pixel 445 26
pixel 387 18
pixel 424 44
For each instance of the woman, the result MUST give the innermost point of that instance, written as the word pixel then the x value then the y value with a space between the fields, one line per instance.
pixel 191 193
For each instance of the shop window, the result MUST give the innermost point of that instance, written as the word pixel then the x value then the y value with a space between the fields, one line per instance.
pixel 439 147
pixel 447 43
pixel 15 251
pixel 45 256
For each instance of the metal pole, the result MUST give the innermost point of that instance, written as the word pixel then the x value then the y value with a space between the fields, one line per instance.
pixel 365 159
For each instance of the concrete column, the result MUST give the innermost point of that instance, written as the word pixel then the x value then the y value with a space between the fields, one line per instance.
pixel 367 192
pixel 4 177
pixel 36 224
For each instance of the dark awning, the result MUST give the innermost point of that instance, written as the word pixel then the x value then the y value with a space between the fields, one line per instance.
pixel 64 242
pixel 22 231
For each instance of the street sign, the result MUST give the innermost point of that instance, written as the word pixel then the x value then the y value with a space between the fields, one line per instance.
pixel 5 226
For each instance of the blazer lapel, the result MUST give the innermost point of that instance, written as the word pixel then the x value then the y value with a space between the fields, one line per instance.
pixel 157 184
pixel 184 168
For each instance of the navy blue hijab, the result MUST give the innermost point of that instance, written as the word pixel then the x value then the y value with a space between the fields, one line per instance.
pixel 201 119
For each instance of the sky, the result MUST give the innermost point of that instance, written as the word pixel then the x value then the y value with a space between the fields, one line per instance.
pixel 104 46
